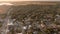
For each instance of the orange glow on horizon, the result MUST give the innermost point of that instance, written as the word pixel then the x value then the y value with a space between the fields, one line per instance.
pixel 29 0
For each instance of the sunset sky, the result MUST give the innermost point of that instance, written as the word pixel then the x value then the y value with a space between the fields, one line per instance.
pixel 29 0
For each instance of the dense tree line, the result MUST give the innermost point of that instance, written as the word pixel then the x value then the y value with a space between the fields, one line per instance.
pixel 38 19
pixel 36 15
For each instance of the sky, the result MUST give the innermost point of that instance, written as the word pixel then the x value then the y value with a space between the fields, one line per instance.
pixel 29 0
